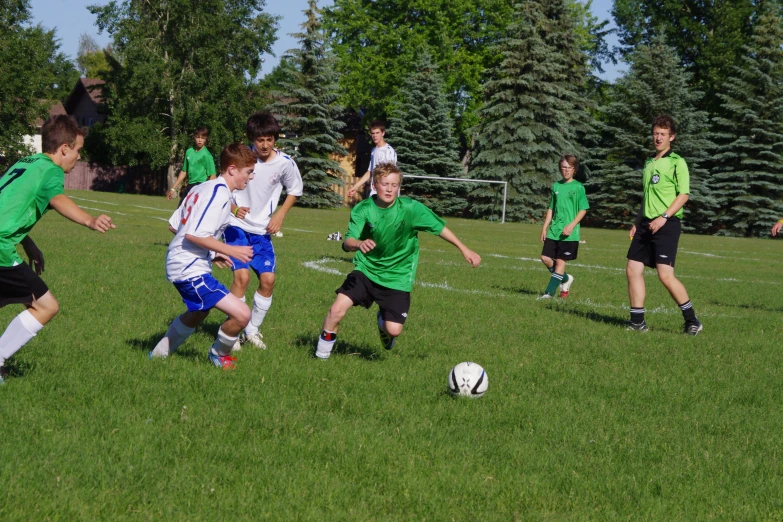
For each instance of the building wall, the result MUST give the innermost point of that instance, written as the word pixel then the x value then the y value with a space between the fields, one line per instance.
pixel 348 163
pixel 34 142
pixel 130 180
pixel 86 112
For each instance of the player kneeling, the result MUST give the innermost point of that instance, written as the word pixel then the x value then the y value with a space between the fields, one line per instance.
pixel 383 232
pixel 203 217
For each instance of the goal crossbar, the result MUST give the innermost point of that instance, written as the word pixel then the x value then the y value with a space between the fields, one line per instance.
pixel 488 181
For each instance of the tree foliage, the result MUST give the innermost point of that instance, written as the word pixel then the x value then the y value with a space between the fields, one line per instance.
pixel 535 111
pixel 307 103
pixel 750 133
pixel 421 129
pixel 91 60
pixel 34 74
pixel 655 84
pixel 177 65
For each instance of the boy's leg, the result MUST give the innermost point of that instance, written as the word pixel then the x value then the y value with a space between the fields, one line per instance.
pixel 634 271
pixel 336 313
pixel 26 325
pixel 394 306
pixel 179 330
pixel 557 277
pixel 680 295
pixel 264 263
pixel 238 316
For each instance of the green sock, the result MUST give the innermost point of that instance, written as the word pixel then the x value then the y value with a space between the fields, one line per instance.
pixel 554 282
pixel 551 269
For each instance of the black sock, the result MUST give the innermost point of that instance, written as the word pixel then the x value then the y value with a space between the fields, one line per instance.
pixel 687 312
pixel 637 315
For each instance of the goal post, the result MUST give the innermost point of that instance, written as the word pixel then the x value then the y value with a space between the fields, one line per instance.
pixel 467 180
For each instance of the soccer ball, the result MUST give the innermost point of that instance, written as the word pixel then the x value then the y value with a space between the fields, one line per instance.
pixel 468 379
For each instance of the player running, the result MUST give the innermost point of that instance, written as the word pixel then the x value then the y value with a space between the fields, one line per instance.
pixel 656 232
pixel 383 231
pixel 382 152
pixel 560 235
pixel 28 190
pixel 202 218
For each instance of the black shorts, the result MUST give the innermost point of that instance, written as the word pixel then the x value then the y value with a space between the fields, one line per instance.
pixel 183 193
pixel 655 249
pixel 394 304
pixel 20 285
pixel 565 250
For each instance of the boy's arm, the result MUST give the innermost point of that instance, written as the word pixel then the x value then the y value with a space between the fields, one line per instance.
pixel 547 221
pixel 177 183
pixel 34 254
pixel 277 218
pixel 243 253
pixel 657 223
pixel 68 209
pixel 570 227
pixel 470 256
pixel 359 184
pixel 352 245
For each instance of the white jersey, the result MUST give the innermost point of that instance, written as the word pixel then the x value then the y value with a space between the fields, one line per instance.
pixel 204 213
pixel 263 192
pixel 380 155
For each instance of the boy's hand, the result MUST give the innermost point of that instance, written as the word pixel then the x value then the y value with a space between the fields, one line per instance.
pixel 543 236
pixel 632 232
pixel 101 224
pixel 776 228
pixel 471 257
pixel 222 261
pixel 242 212
pixel 351 192
pixel 170 193
pixel 366 245
pixel 243 253
pixel 567 230
pixel 35 256
pixel 657 224
pixel 274 224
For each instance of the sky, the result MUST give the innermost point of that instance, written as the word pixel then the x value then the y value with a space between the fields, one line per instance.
pixel 70 19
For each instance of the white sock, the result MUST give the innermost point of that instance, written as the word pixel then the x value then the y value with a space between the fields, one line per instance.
pixel 261 306
pixel 223 344
pixel 19 332
pixel 175 336
pixel 325 344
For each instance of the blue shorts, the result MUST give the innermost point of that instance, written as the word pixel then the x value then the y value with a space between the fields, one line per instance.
pixel 202 293
pixel 263 251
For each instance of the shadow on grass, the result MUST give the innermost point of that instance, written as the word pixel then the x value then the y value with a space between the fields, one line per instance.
pixel 146 345
pixel 596 317
pixel 348 260
pixel 308 342
pixel 524 291
pixel 19 368
pixel 754 306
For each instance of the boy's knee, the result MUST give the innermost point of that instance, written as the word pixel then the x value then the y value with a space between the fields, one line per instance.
pixel 546 260
pixel 560 264
pixel 266 284
pixel 393 329
pixel 243 316
pixel 242 278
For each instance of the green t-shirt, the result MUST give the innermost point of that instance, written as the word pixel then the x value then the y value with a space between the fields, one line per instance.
pixel 393 261
pixel 664 179
pixel 199 164
pixel 25 191
pixel 566 201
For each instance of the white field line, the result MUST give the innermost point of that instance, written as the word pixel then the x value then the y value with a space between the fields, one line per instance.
pixel 319 265
pixel 103 210
pixel 124 205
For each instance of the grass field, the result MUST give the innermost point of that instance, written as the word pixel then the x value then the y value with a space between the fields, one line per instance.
pixel 582 420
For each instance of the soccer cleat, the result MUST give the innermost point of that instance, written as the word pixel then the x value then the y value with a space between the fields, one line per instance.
pixel 637 327
pixel 386 339
pixel 545 296
pixel 693 327
pixel 222 361
pixel 256 340
pixel 565 287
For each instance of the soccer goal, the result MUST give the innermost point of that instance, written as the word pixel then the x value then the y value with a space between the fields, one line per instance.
pixel 465 180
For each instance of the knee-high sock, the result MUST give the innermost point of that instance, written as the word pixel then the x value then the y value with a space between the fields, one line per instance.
pixel 223 343
pixel 554 282
pixel 19 332
pixel 325 344
pixel 261 306
pixel 173 339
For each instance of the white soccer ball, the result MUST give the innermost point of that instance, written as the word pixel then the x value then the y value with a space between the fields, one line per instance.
pixel 468 379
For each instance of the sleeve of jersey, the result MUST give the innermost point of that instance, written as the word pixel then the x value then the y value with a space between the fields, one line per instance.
pixel 683 177
pixel 292 179
pixel 211 165
pixel 208 216
pixel 551 200
pixel 185 165
pixel 583 204
pixel 425 220
pixel 356 224
pixel 390 156
pixel 52 185
pixel 176 218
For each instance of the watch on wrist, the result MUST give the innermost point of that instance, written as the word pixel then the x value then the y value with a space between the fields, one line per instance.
pixel 665 215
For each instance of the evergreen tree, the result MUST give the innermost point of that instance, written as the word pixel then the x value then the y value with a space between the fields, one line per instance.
pixel 535 111
pixel 307 103
pixel 750 133
pixel 422 133
pixel 655 84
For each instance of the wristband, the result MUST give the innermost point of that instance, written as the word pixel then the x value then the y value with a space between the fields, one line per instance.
pixel 780 221
pixel 235 211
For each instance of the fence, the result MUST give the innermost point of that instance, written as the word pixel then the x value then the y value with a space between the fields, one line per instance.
pixel 130 180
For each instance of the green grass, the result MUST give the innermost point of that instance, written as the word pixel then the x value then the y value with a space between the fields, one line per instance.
pixel 582 420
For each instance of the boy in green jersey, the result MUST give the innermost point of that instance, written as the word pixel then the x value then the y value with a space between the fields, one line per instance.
pixel 199 165
pixel 560 235
pixel 656 232
pixel 28 190
pixel 383 232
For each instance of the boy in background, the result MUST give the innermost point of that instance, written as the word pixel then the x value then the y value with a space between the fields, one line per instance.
pixel 381 153
pixel 198 167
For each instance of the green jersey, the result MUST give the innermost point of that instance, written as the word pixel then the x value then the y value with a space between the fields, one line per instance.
pixel 567 200
pixel 199 164
pixel 25 191
pixel 393 261
pixel 664 179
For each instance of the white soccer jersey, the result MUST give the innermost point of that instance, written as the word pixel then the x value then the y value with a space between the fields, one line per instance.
pixel 380 155
pixel 263 192
pixel 204 213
